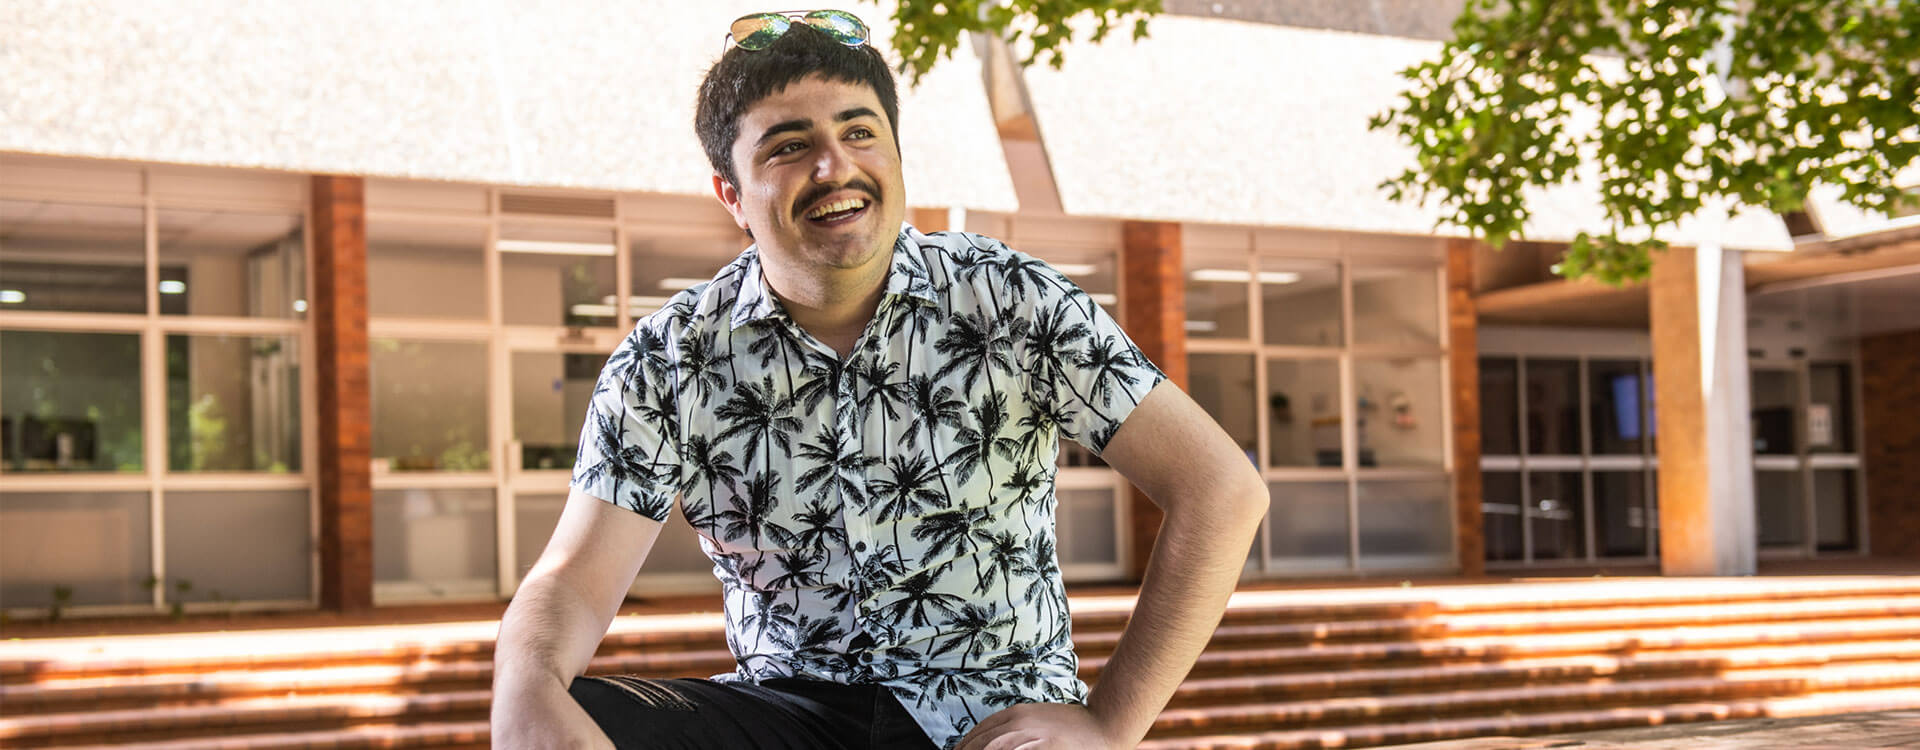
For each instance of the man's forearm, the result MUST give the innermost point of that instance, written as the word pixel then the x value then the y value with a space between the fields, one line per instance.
pixel 1195 564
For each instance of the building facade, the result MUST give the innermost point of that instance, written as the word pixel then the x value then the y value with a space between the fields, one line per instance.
pixel 306 355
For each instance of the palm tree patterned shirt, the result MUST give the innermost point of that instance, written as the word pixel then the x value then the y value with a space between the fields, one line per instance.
pixel 887 517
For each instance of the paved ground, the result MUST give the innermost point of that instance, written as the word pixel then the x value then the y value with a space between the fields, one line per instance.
pixel 1870 731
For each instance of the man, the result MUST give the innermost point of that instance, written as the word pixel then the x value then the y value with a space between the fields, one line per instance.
pixel 861 422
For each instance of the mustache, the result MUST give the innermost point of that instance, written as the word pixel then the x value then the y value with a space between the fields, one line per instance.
pixel 814 196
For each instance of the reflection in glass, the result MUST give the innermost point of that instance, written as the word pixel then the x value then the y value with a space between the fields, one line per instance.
pixel 1499 406
pixel 551 391
pixel 1300 302
pixel 1307 524
pixel 1405 523
pixel 1396 307
pixel 1223 385
pixel 239 545
pixel 1621 513
pixel 557 276
pixel 1086 526
pixel 1617 396
pixel 1217 301
pixel 1774 397
pixel 1553 407
pixel 1400 411
pixel 1303 412
pixel 1834 504
pixel 426 270
pixel 665 266
pixel 535 514
pixel 1830 413
pixel 440 537
pixel 95 545
pixel 70 401
pixel 429 405
pixel 1556 515
pixel 1777 507
pixel 231 263
pixel 1500 515
pixel 233 403
pixel 72 257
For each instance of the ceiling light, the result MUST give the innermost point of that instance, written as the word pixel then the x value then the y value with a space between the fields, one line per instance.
pixel 592 311
pixel 1234 276
pixel 550 247
pixel 173 286
pixel 12 296
pixel 1202 325
pixel 1075 269
pixel 299 305
pixel 1105 299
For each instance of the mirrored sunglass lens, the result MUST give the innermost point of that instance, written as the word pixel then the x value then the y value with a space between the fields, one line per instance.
pixel 757 32
pixel 839 24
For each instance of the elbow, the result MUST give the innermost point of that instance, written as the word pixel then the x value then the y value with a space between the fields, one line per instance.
pixel 1249 499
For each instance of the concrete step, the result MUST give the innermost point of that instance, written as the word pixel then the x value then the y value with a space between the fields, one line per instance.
pixel 1254 685
pixel 1518 724
pixel 465 735
pixel 1440 651
pixel 286 714
pixel 184 689
pixel 1464 702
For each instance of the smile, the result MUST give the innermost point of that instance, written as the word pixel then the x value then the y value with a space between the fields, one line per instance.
pixel 837 211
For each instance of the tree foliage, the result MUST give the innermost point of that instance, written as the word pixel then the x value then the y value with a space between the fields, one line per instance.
pixel 1671 105
pixel 926 31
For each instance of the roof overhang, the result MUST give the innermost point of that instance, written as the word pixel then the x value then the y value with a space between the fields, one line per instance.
pixel 594 94
pixel 1230 122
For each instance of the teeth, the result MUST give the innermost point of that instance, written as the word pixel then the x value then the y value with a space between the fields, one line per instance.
pixel 846 204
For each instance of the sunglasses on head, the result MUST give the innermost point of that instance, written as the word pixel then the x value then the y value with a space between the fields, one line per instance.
pixel 758 31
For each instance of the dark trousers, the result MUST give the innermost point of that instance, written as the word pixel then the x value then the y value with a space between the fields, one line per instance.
pixel 638 713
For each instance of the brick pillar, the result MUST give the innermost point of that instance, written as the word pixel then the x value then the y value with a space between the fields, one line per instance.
pixel 1699 308
pixel 1463 362
pixel 339 313
pixel 1155 316
pixel 1890 406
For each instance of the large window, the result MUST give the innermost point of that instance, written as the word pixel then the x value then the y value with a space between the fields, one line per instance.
pixel 153 432
pixel 1328 372
pixel 1566 459
pixel 1574 481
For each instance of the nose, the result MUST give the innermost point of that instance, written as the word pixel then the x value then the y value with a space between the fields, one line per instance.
pixel 833 165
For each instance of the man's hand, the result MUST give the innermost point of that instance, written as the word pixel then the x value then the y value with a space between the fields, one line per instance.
pixel 1038 726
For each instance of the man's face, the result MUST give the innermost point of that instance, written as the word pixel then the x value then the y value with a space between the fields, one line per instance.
pixel 820 184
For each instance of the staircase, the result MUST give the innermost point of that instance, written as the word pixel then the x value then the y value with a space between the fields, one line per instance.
pixel 1287 669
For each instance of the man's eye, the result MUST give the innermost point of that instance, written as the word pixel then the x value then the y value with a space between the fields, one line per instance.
pixel 788 148
pixel 860 133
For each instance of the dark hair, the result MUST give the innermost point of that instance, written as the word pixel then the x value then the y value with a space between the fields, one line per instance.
pixel 742 78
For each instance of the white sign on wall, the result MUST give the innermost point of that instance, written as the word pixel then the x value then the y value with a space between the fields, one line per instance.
pixel 1819 424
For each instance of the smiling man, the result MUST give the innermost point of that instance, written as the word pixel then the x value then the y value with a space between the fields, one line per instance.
pixel 861 423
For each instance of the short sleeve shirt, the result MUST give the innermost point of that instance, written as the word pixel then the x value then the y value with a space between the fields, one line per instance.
pixel 888 517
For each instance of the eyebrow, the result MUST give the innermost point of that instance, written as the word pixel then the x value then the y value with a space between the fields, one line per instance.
pixel 803 123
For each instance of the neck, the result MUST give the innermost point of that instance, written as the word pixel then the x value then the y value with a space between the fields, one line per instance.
pixel 832 304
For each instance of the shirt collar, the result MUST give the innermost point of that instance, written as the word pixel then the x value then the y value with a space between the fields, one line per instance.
pixel 907 278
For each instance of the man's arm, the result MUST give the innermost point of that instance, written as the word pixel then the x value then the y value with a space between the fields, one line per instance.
pixel 557 619
pixel 1214 499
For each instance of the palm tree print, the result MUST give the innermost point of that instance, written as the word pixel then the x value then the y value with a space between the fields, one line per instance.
pixel 844 498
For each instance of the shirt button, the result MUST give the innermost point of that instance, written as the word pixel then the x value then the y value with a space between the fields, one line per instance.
pixel 860 546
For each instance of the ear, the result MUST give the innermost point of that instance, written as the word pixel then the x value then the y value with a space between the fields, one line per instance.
pixel 730 198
